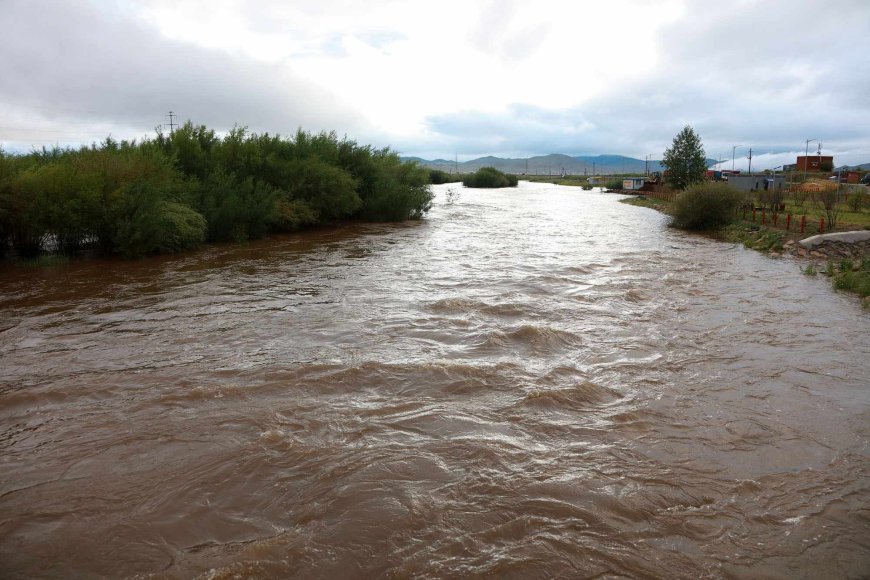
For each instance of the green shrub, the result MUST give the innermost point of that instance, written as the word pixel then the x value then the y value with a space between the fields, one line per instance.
pixel 397 191
pixel 150 224
pixel 328 190
pixel 437 177
pixel 292 215
pixel 236 210
pixel 706 206
pixel 490 177
pixel 853 277
pixel 615 183
pixel 160 195
pixel 858 200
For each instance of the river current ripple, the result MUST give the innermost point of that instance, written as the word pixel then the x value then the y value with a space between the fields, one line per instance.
pixel 530 383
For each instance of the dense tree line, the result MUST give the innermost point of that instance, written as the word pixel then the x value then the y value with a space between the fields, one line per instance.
pixel 178 190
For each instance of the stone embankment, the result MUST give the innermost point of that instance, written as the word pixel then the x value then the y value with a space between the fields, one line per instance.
pixel 831 246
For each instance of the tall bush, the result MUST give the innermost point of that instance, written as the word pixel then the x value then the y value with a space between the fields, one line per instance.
pixel 490 177
pixel 706 206
pixel 858 199
pixel 328 190
pixel 397 191
pixel 437 177
pixel 235 210
pixel 149 223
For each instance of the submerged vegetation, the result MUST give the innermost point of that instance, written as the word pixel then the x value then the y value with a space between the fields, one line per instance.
pixel 490 177
pixel 176 191
pixel 852 276
pixel 438 177
pixel 848 275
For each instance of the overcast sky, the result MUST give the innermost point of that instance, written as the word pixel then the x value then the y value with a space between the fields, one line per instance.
pixel 437 79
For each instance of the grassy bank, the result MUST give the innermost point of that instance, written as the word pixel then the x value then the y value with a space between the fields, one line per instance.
pixel 652 202
pixel 756 237
pixel 847 275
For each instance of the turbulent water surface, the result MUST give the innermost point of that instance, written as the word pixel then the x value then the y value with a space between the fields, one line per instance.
pixel 531 383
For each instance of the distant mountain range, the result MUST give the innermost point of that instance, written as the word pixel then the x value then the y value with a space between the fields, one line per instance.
pixel 553 164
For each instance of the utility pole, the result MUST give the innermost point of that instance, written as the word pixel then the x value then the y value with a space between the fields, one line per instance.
pixel 171 116
pixel 749 171
pixel 733 149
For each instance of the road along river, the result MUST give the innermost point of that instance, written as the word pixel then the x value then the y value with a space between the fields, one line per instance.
pixel 530 383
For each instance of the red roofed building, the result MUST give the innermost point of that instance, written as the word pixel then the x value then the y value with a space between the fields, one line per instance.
pixel 815 163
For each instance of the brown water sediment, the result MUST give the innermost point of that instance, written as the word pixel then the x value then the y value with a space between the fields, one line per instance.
pixel 531 383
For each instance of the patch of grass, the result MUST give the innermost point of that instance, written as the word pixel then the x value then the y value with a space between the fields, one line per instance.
pixel 651 202
pixel 755 237
pixel 849 218
pixel 851 277
pixel 810 270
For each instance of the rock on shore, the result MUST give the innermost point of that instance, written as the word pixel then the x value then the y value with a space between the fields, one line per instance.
pixel 833 246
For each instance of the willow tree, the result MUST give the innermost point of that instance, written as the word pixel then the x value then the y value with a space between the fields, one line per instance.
pixel 685 160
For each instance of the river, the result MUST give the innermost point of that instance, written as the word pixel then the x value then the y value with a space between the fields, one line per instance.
pixel 530 383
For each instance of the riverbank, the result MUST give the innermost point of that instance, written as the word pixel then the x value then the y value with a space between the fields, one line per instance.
pixel 847 264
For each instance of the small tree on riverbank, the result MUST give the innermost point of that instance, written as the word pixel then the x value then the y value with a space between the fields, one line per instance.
pixel 685 160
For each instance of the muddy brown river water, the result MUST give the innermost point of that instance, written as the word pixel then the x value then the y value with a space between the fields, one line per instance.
pixel 531 383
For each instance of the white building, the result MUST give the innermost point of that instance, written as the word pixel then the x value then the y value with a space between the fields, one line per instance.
pixel 755 182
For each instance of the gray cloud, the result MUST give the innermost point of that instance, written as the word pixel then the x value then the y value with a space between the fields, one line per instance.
pixel 494 33
pixel 771 75
pixel 66 62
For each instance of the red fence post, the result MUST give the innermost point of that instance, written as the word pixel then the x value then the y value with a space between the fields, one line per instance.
pixel 788 221
pixel 775 218
pixel 803 223
pixel 821 225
